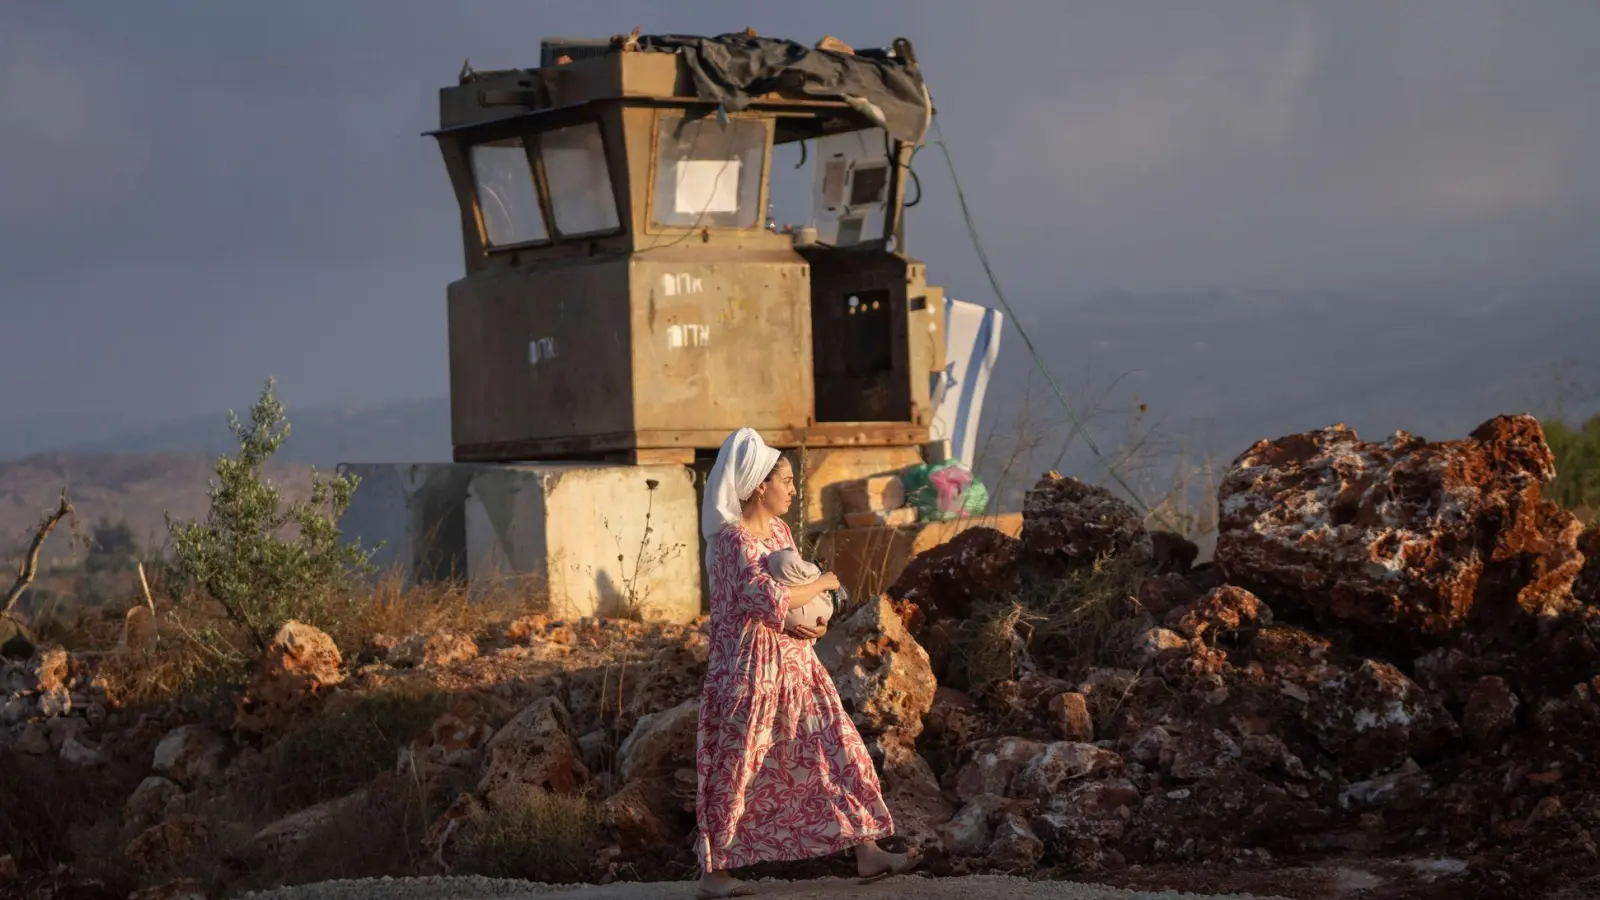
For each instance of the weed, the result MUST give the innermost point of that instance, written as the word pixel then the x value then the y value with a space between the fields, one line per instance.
pixel 540 837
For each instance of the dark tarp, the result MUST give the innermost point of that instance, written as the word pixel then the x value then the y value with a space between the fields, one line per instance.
pixel 731 68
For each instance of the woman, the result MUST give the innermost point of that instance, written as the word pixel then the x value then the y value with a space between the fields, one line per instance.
pixel 783 773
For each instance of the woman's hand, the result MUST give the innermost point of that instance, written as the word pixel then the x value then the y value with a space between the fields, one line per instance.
pixel 808 632
pixel 827 581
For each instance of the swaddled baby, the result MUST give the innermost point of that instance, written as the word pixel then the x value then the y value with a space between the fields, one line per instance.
pixel 788 567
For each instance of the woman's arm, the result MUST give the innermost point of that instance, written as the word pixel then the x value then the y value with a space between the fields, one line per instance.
pixel 756 595
pixel 801 594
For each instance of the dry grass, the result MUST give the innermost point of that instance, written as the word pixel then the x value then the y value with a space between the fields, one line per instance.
pixel 542 837
pixel 343 749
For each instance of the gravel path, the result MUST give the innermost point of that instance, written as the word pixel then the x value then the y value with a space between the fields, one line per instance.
pixel 985 887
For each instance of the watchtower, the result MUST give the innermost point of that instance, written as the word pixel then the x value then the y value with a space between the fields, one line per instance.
pixel 625 298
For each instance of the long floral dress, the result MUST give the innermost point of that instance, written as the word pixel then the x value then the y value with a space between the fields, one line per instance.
pixel 783 772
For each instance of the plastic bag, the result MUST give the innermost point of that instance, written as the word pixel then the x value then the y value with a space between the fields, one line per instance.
pixel 944 491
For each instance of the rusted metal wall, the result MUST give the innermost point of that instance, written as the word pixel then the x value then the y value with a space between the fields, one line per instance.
pixel 722 341
pixel 541 353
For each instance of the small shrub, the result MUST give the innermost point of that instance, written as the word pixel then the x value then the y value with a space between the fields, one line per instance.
pixel 237 555
pixel 542 837
pixel 1577 451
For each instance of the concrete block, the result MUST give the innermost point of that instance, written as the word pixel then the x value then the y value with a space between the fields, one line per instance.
pixel 418 511
pixel 594 539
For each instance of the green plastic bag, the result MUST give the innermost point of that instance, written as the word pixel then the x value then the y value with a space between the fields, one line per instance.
pixel 944 491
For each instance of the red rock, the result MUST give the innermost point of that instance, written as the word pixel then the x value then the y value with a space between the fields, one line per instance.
pixel 1374 717
pixel 660 743
pixel 1062 762
pixel 994 763
pixel 1070 710
pixel 1491 713
pixel 534 750
pixel 944 582
pixel 190 755
pixel 912 793
pixel 433 650
pixel 970 832
pixel 1160 593
pixel 883 675
pixel 1068 524
pixel 1223 611
pixel 1092 811
pixel 1403 540
pixel 639 816
pixel 1014 847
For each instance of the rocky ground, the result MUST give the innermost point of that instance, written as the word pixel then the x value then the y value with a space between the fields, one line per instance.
pixel 1384 685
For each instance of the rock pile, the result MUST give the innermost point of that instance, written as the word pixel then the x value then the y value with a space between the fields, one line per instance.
pixel 1393 652
pixel 1388 655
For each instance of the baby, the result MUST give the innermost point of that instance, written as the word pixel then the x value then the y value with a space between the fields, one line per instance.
pixel 788 567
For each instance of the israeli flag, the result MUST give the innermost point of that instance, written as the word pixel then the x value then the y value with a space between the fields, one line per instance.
pixel 971 346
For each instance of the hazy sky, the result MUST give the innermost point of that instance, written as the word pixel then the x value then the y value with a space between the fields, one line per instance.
pixel 195 195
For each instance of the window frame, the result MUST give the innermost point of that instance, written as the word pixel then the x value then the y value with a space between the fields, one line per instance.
pixel 532 145
pixel 769 129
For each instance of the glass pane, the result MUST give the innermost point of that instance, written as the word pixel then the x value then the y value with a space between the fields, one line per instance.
pixel 507 198
pixel 709 174
pixel 580 183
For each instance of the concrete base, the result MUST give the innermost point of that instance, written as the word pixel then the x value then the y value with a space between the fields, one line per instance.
pixel 610 540
pixel 577 539
pixel 417 511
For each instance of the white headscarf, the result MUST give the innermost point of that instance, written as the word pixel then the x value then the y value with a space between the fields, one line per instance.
pixel 742 464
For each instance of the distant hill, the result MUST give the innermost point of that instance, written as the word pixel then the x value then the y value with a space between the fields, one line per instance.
pixel 134 487
pixel 418 431
pixel 1218 370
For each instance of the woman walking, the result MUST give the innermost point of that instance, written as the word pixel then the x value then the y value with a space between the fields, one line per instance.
pixel 783 772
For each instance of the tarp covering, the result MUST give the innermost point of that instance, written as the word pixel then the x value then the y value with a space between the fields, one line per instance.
pixel 732 68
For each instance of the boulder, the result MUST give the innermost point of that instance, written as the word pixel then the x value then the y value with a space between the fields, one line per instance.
pixel 451 742
pixel 1222 612
pixel 149 802
pixel 1069 524
pixel 970 832
pixel 1063 762
pixel 283 840
pixel 912 793
pixel 1014 846
pixel 944 582
pixel 1069 711
pixel 1373 717
pixel 883 675
pixel 1405 541
pixel 535 749
pixel 994 763
pixel 640 816
pixel 301 665
pixel 660 743
pixel 190 755
pixel 432 650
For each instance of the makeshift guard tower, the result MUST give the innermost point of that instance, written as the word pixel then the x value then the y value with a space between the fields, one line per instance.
pixel 626 305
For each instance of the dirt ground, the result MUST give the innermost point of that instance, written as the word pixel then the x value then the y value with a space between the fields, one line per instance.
pixel 968 888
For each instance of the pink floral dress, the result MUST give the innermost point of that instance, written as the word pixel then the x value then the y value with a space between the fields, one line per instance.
pixel 784 774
